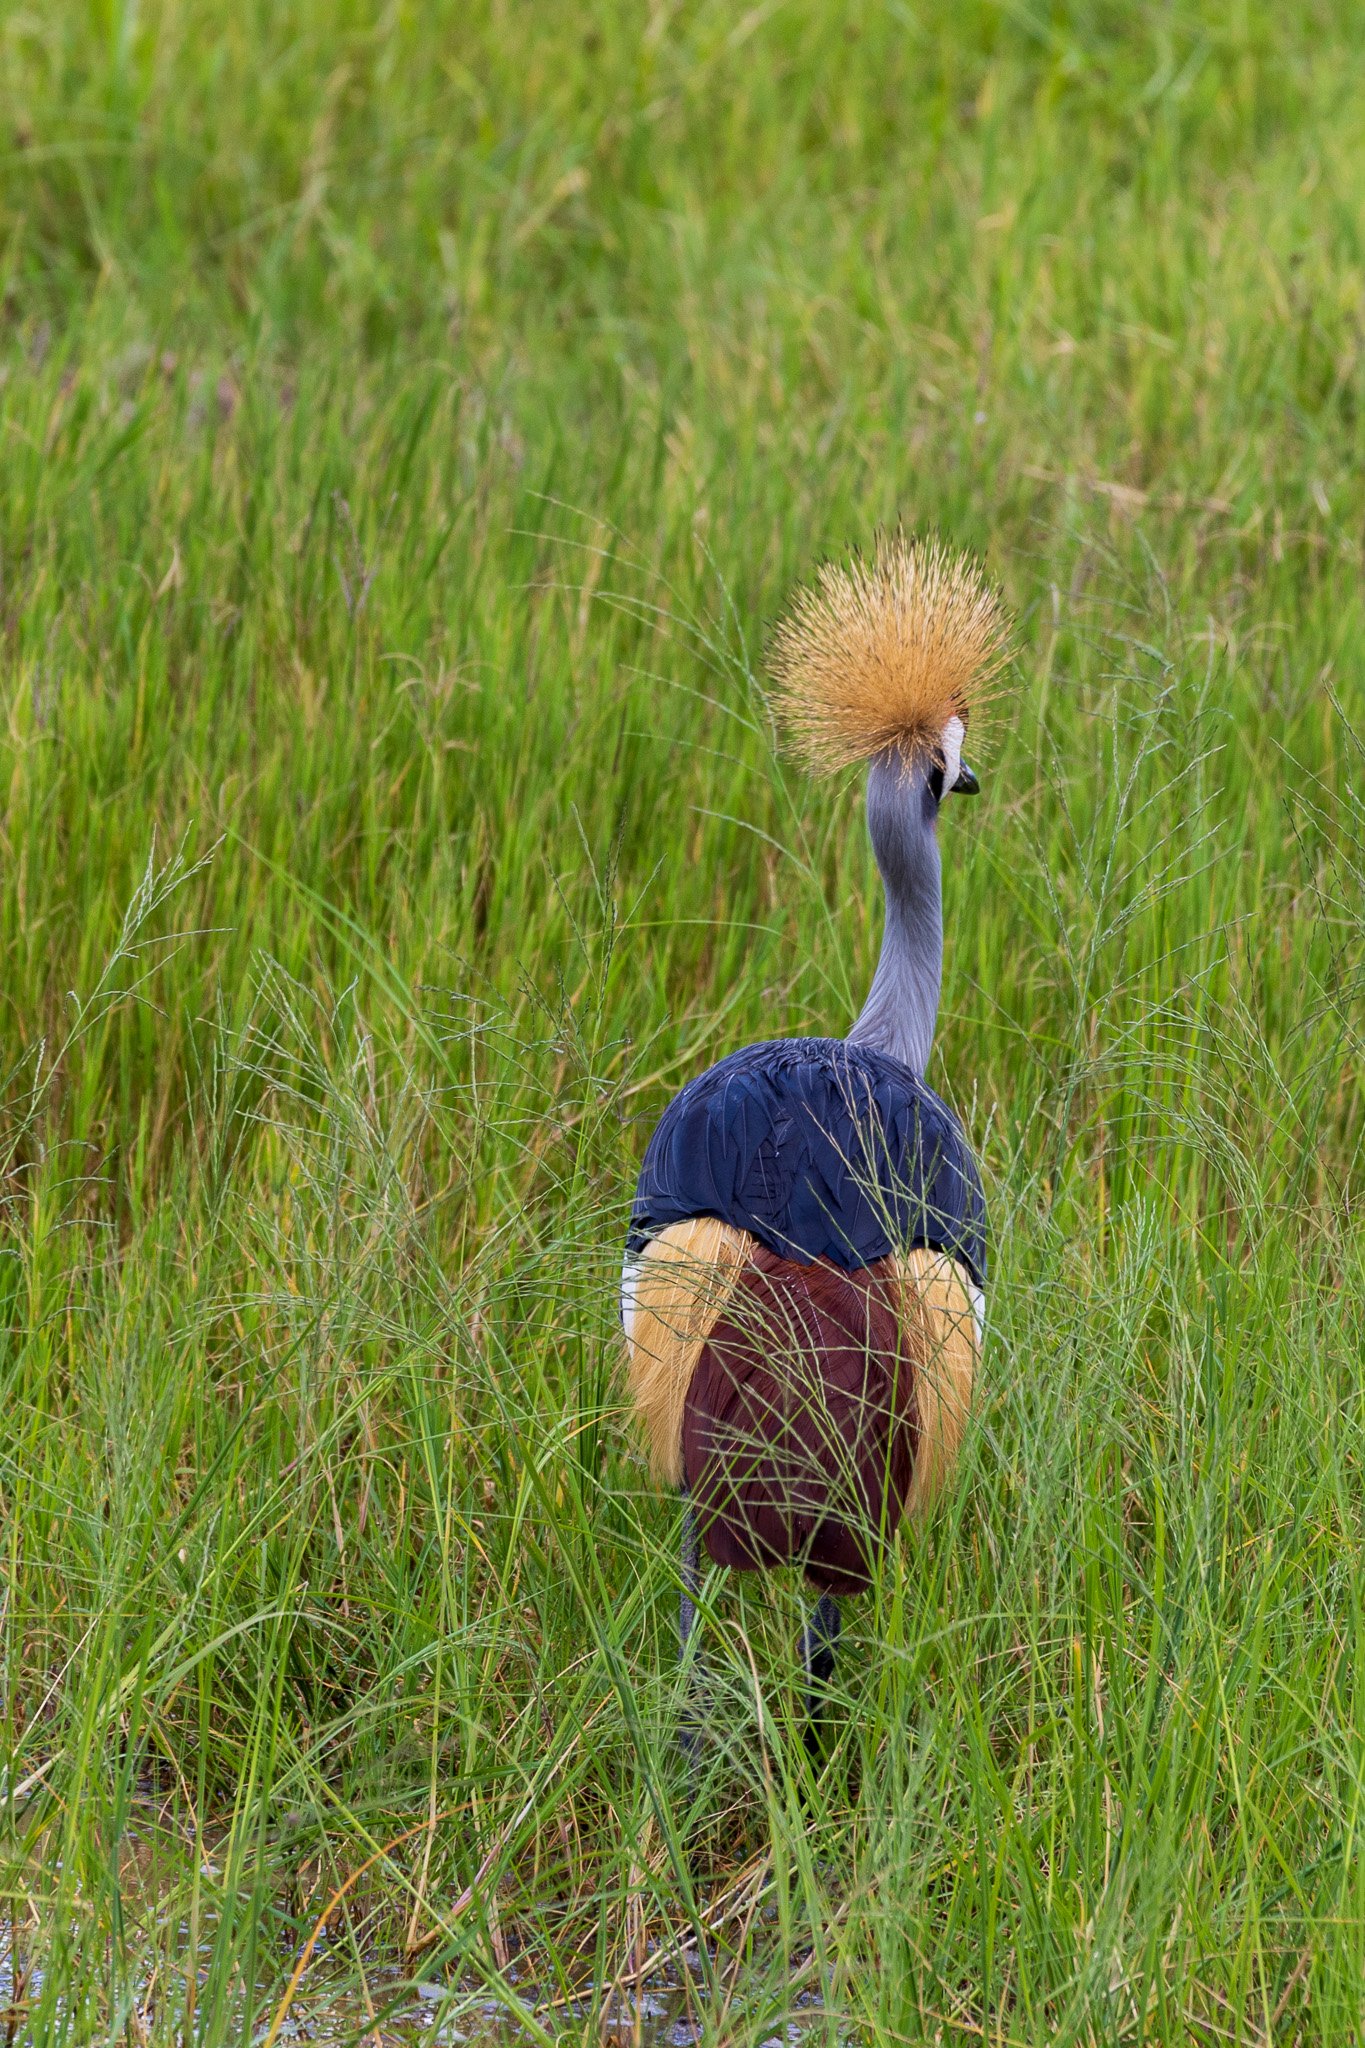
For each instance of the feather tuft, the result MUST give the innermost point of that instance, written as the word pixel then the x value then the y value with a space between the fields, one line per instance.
pixel 881 654
pixel 677 1290
pixel 938 1322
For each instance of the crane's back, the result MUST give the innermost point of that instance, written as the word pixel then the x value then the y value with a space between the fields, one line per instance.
pixel 821 1150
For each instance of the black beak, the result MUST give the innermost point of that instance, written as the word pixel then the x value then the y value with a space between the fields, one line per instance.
pixel 966 784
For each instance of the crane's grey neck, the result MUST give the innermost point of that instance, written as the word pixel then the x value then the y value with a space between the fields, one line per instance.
pixel 902 1005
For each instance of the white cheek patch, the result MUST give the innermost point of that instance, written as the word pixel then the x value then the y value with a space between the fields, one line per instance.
pixel 954 733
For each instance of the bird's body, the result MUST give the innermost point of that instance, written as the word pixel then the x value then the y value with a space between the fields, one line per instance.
pixel 803 1288
pixel 807 1211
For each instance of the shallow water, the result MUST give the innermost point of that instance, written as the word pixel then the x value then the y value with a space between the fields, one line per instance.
pixel 665 2007
pixel 668 2011
pixel 663 2017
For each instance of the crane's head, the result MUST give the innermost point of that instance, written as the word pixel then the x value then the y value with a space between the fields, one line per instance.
pixel 887 661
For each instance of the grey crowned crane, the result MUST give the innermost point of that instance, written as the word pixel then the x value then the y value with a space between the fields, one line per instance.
pixel 803 1294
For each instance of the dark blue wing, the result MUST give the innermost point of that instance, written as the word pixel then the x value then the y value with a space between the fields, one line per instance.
pixel 820 1149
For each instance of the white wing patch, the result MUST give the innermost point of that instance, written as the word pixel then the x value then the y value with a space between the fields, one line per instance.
pixel 630 1294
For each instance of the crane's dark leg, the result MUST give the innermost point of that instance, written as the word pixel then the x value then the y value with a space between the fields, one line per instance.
pixel 690 1738
pixel 818 1640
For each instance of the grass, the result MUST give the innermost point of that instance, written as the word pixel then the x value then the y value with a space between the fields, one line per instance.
pixel 413 418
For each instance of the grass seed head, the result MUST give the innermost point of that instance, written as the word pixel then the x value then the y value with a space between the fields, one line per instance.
pixel 882 654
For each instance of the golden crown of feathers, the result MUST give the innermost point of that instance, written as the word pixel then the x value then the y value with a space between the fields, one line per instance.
pixel 882 654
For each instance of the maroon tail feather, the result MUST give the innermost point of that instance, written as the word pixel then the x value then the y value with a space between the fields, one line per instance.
pixel 799 1432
